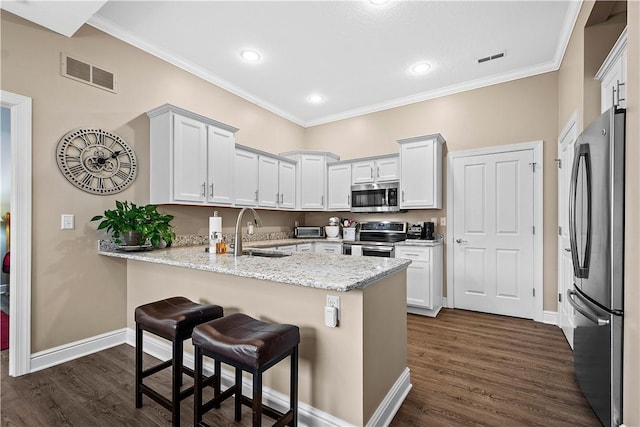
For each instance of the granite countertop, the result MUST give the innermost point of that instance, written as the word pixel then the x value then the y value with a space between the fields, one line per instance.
pixel 323 271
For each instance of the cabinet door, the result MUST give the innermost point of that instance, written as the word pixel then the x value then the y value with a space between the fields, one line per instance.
pixel 287 185
pixel 245 178
pixel 312 182
pixel 387 169
pixel 221 147
pixel 287 248
pixel 339 187
pixel 304 247
pixel 362 172
pixel 419 276
pixel 417 181
pixel 189 160
pixel 268 195
pixel 612 83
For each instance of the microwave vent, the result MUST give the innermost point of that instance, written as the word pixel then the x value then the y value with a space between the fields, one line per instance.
pixel 90 74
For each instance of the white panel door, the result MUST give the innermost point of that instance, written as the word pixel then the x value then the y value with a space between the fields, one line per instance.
pixel 222 147
pixel 566 313
pixel 493 233
pixel 189 159
pixel 362 172
pixel 417 177
pixel 387 169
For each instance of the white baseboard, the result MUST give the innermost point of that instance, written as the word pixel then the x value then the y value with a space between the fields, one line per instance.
pixel 392 401
pixel 550 317
pixel 64 353
pixel 445 302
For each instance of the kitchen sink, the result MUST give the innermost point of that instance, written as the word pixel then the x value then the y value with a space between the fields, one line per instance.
pixel 266 254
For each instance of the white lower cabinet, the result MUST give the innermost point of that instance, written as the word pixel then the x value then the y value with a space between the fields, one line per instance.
pixel 287 248
pixel 328 247
pixel 304 247
pixel 424 278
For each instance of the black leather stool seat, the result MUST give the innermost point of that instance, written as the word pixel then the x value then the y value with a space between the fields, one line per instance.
pixel 172 319
pixel 250 345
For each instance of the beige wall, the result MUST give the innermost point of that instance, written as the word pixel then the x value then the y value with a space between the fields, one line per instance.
pixel 631 382
pixel 75 293
pixel 519 111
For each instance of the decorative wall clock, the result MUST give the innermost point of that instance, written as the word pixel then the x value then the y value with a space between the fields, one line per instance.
pixel 96 161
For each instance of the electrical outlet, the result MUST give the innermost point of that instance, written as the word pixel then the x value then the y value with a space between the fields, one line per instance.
pixel 334 301
pixel 67 222
pixel 443 221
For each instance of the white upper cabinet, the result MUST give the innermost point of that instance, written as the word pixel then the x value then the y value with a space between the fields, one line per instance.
pixel 287 185
pixel 421 172
pixel 221 148
pixel 268 194
pixel 339 187
pixel 375 170
pixel 311 178
pixel 246 178
pixel 613 75
pixel 190 156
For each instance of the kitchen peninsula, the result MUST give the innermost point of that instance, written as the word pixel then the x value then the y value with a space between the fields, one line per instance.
pixel 353 374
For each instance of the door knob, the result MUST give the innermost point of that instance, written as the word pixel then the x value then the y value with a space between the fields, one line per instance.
pixel 567 249
pixel 461 241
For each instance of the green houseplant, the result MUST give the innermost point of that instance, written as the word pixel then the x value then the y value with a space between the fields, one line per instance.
pixel 131 224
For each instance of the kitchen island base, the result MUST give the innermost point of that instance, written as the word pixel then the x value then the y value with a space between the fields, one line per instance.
pixel 353 374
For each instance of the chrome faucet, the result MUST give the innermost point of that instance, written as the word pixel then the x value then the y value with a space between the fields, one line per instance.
pixel 237 244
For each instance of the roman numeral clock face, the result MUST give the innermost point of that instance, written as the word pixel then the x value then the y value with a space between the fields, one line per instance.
pixel 96 161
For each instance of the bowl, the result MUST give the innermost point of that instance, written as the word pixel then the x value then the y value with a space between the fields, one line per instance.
pixel 332 231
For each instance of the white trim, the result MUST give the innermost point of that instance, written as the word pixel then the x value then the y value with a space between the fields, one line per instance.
pixel 74 350
pixel 538 242
pixel 392 401
pixel 307 414
pixel 550 317
pixel 20 278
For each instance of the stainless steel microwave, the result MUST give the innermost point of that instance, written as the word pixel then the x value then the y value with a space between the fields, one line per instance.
pixel 381 197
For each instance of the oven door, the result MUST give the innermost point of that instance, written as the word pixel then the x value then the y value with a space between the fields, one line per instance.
pixel 370 250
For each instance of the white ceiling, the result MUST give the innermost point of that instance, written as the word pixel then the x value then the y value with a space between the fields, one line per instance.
pixel 354 53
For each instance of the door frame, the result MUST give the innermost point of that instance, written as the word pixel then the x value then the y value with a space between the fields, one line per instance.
pixel 538 242
pixel 20 277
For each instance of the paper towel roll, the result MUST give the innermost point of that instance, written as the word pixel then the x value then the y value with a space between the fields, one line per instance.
pixel 215 224
pixel 356 250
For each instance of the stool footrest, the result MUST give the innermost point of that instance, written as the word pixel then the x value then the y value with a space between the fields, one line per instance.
pixel 216 401
pixel 266 410
pixel 157 368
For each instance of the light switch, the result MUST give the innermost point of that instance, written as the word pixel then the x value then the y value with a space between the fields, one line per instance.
pixel 68 222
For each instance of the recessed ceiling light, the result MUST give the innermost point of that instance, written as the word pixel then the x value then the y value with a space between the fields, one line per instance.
pixel 315 98
pixel 421 68
pixel 250 55
pixel 378 2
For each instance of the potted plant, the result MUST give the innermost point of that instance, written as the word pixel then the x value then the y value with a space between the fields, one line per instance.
pixel 132 225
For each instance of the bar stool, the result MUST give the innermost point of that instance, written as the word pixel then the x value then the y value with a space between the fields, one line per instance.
pixel 172 319
pixel 248 345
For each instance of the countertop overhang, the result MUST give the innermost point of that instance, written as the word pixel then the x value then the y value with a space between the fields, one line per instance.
pixel 324 271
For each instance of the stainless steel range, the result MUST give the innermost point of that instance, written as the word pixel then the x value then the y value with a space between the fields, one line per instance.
pixel 376 238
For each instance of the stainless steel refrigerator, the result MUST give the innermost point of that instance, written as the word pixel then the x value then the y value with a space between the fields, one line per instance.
pixel 596 220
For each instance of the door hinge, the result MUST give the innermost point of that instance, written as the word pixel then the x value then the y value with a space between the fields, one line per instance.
pixel 559 231
pixel 534 230
pixel 534 292
pixel 533 166
pixel 559 297
pixel 559 161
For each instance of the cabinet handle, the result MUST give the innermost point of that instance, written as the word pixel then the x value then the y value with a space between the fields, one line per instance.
pixel 281 198
pixel 211 185
pixel 618 84
pixel 322 200
pixel 349 199
pixel 371 172
pixel 378 172
pixel 256 193
pixel 277 197
pixel 613 96
pixel 204 189
pixel 403 195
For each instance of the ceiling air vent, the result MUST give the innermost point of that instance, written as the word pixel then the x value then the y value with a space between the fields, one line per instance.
pixel 87 73
pixel 491 57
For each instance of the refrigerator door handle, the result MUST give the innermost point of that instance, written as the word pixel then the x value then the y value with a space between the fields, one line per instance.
pixel 582 310
pixel 580 271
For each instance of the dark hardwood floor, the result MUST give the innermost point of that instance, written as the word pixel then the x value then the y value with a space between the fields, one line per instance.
pixel 466 368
